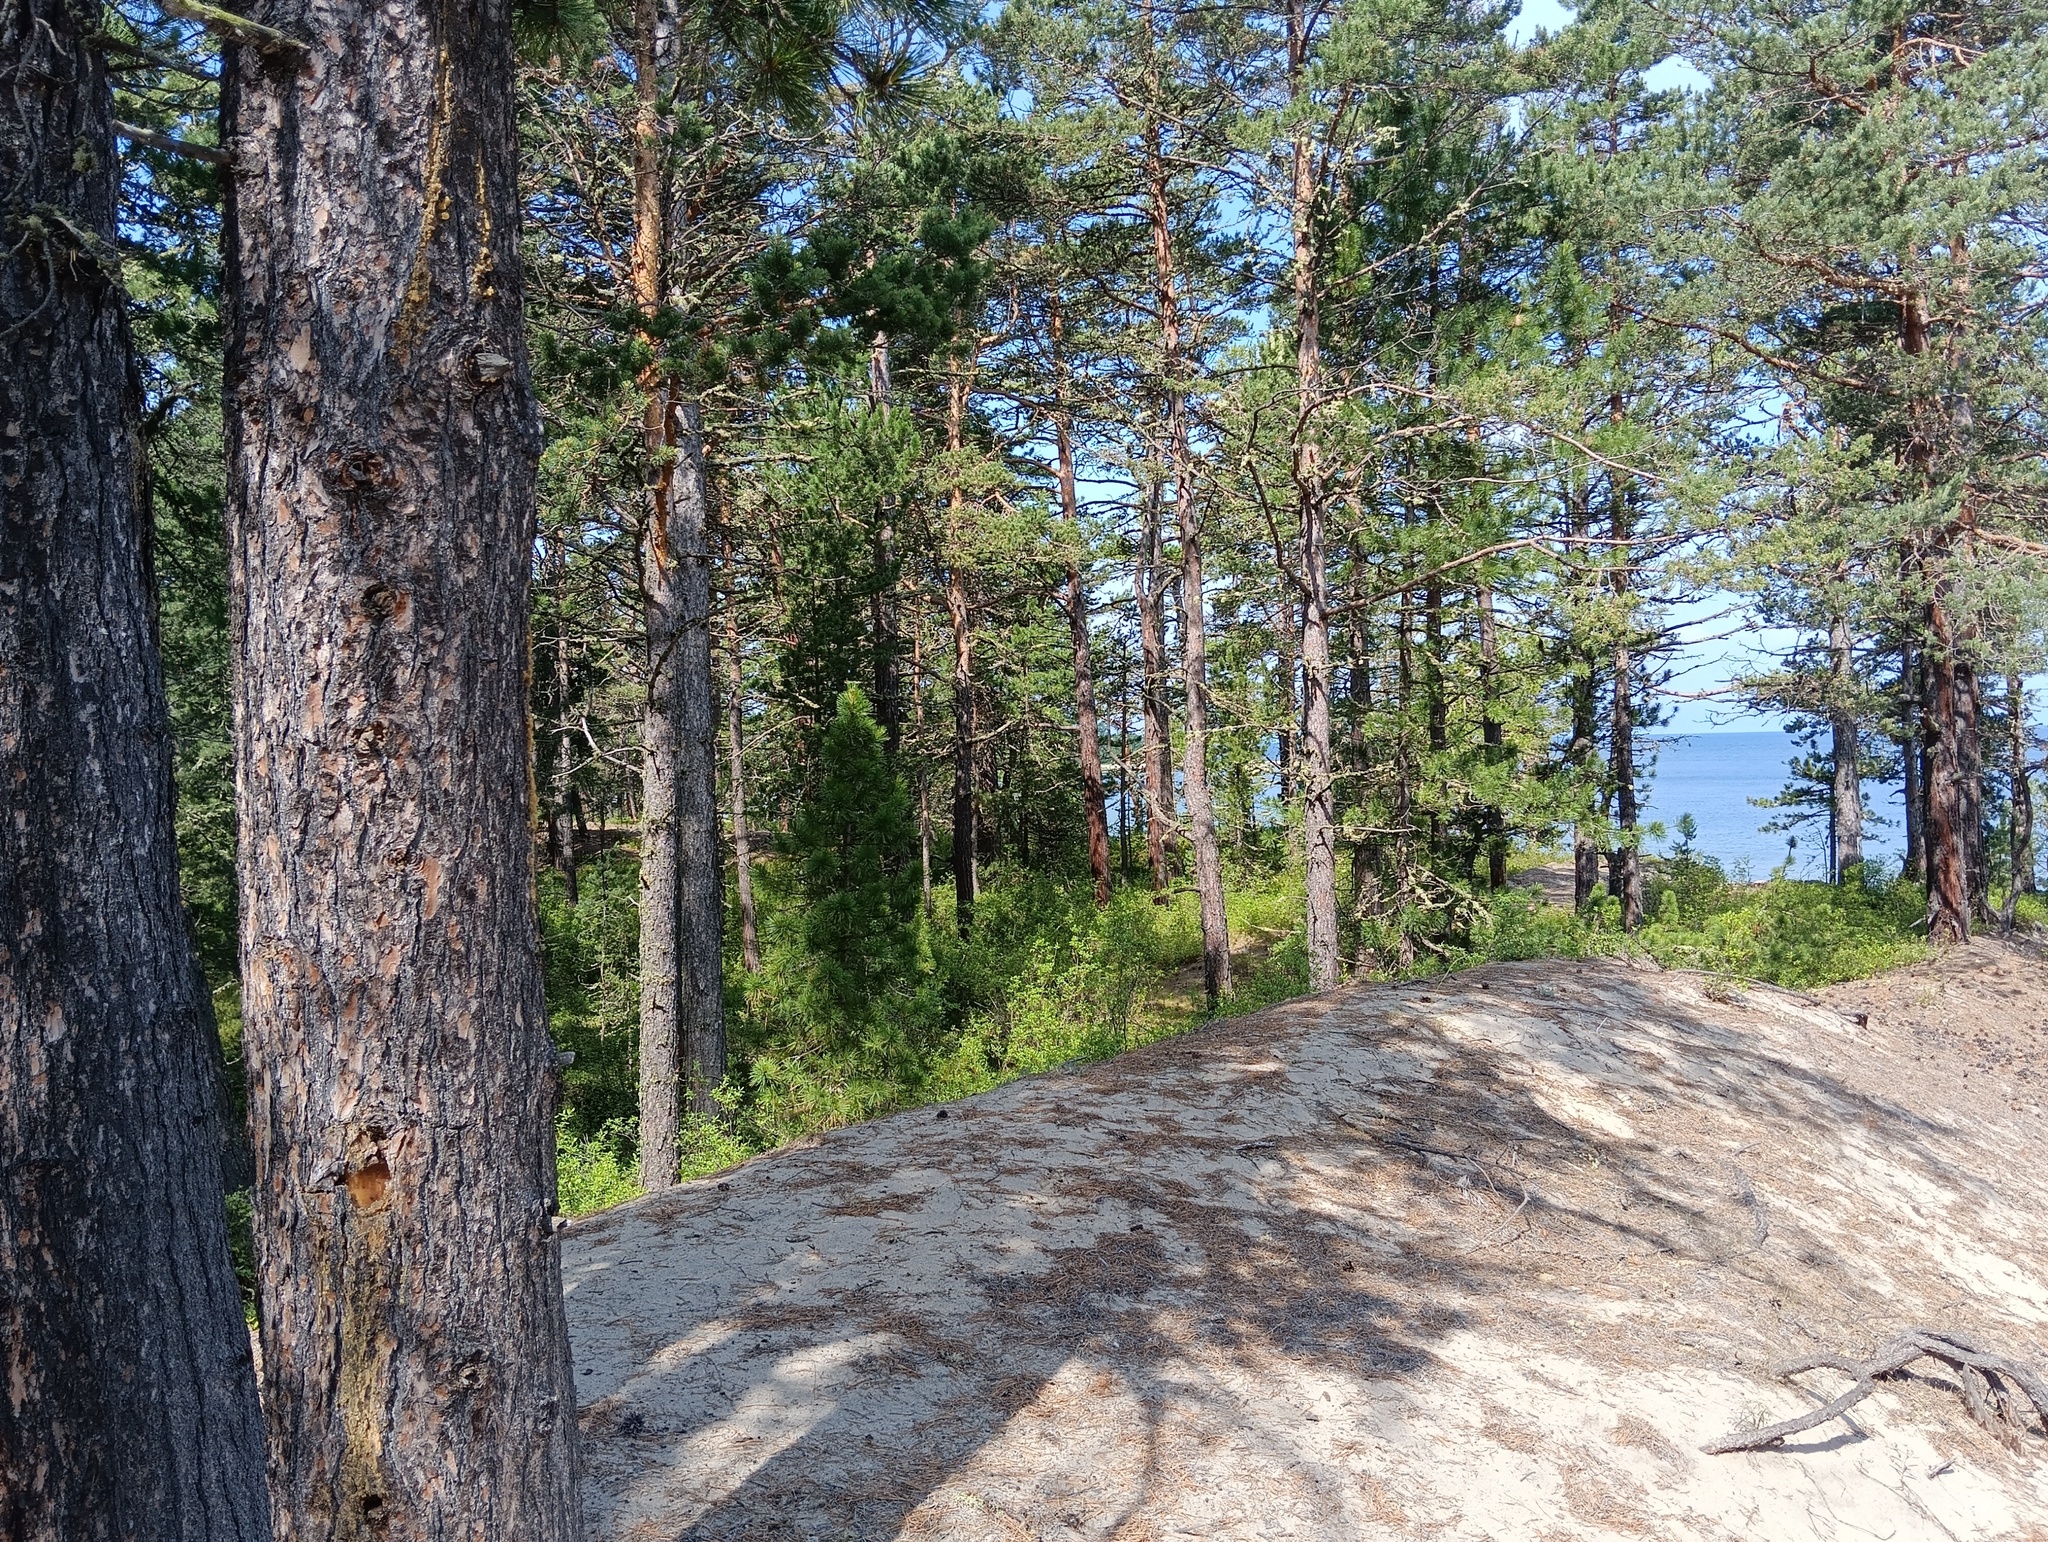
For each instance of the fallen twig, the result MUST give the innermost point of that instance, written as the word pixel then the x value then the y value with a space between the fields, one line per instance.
pixel 1992 1388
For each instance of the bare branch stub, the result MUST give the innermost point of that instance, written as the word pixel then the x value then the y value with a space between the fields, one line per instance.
pixel 1996 1389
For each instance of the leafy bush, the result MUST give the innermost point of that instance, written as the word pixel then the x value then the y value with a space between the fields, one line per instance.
pixel 595 1171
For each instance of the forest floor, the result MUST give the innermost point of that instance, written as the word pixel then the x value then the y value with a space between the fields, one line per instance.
pixel 1489 1255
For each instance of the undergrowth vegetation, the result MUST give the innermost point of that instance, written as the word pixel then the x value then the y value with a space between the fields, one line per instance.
pixel 1046 980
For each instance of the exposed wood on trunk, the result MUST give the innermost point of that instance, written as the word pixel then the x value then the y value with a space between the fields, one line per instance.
pixel 1094 802
pixel 1970 784
pixel 382 445
pixel 1193 626
pixel 1319 822
pixel 1846 814
pixel 129 1406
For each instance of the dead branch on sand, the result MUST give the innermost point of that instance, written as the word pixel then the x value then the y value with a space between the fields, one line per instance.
pixel 1991 1385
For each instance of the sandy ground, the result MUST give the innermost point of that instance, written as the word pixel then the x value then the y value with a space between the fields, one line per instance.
pixel 1483 1257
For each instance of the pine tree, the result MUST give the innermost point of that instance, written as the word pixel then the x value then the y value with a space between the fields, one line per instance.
pixel 854 842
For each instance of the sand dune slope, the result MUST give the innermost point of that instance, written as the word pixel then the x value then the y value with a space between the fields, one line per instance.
pixel 1485 1257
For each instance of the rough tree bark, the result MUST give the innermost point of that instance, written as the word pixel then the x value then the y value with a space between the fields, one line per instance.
pixel 682 910
pixel 882 603
pixel 1319 812
pixel 1193 633
pixel 1846 747
pixel 129 1405
pixel 382 442
pixel 1094 801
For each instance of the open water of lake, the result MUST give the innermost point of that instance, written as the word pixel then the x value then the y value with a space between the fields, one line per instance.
pixel 1713 777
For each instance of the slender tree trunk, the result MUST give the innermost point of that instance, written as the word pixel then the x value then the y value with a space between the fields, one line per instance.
pixel 1094 802
pixel 382 443
pixel 1970 761
pixel 129 1410
pixel 700 907
pixel 1158 723
pixel 1949 907
pixel 1319 811
pixel 1193 632
pixel 1286 638
pixel 562 828
pixel 924 786
pixel 1494 822
pixel 1625 870
pixel 1847 821
pixel 1910 761
pixel 883 607
pixel 966 835
pixel 735 726
pixel 2020 830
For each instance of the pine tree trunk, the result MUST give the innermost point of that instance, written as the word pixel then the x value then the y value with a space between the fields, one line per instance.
pixel 700 902
pixel 1319 810
pixel 561 826
pixel 1493 821
pixel 1149 588
pixel 966 835
pixel 735 724
pixel 1193 634
pixel 882 605
pixel 1847 821
pixel 382 449
pixel 1625 869
pixel 1910 760
pixel 2020 836
pixel 1094 801
pixel 1949 906
pixel 1970 760
pixel 130 1407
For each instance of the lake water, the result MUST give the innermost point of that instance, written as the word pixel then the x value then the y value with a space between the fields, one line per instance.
pixel 1713 777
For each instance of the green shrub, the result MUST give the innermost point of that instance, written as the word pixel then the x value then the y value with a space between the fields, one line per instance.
pixel 596 1171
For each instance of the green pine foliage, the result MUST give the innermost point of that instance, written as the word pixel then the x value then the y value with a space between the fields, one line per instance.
pixel 854 851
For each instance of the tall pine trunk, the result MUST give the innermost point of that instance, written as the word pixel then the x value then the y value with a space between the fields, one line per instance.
pixel 561 816
pixel 2020 827
pixel 1949 906
pixel 1847 820
pixel 1319 811
pixel 1910 759
pixel 735 725
pixel 382 440
pixel 1094 801
pixel 1193 633
pixel 1494 823
pixel 130 1405
pixel 682 891
pixel 1150 592
pixel 966 835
